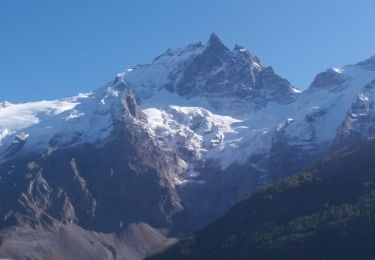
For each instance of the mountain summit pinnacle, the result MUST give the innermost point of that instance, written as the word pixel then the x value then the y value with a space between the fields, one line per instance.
pixel 215 42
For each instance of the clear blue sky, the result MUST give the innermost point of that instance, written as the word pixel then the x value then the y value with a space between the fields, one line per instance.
pixel 51 49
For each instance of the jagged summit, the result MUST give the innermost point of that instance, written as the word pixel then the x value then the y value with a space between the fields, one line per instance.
pixel 210 71
pixel 214 38
pixel 216 44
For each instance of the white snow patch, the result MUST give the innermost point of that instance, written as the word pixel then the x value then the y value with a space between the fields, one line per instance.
pixel 362 97
pixel 82 118
pixel 296 90
pixel 338 70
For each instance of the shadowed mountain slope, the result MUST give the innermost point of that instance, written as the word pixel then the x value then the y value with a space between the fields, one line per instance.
pixel 327 212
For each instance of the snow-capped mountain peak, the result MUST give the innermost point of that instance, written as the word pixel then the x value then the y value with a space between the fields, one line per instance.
pixel 210 71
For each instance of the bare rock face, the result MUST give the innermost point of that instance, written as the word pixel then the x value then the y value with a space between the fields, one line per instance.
pixel 359 123
pixel 220 72
pixel 130 106
pixel 330 79
pixel 102 187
